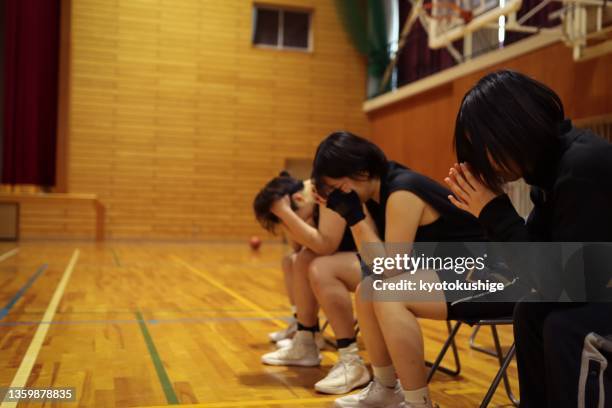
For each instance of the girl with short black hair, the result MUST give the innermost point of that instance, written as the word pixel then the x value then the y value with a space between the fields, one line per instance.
pixel 510 126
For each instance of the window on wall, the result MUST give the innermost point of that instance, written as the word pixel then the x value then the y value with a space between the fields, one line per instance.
pixel 279 28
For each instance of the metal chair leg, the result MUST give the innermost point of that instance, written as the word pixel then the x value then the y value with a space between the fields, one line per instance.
pixel 328 341
pixel 501 359
pixel 450 342
pixel 501 373
pixel 476 347
pixel 325 324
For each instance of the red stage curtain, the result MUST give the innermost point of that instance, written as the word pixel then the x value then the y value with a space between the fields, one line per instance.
pixel 31 57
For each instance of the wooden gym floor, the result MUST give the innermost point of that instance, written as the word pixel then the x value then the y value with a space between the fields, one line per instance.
pixel 140 325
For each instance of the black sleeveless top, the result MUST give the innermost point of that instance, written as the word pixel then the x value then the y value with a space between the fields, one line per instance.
pixel 453 225
pixel 347 243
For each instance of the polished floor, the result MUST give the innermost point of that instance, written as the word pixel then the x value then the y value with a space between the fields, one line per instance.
pixel 156 324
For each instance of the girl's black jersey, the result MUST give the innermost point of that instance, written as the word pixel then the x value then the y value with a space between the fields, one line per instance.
pixel 453 225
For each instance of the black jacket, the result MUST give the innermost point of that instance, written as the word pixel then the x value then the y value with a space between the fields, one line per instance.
pixel 572 197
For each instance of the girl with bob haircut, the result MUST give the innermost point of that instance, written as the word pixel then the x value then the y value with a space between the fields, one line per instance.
pixel 510 126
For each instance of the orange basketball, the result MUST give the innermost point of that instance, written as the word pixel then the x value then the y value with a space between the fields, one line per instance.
pixel 255 242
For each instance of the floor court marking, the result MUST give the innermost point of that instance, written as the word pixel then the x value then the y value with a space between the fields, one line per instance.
pixel 232 293
pixel 159 366
pixel 256 403
pixel 6 309
pixel 27 363
pixel 333 357
pixel 116 258
pixel 463 391
pixel 132 321
pixel 282 311
pixel 8 254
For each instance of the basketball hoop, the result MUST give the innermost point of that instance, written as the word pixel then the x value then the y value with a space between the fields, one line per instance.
pixel 447 11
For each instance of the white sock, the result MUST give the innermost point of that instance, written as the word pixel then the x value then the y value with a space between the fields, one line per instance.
pixel 293 310
pixel 385 375
pixel 304 337
pixel 418 398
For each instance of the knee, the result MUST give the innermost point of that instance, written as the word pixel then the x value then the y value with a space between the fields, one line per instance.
pixel 318 274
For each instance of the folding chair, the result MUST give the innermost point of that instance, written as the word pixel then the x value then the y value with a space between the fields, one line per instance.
pixel 477 347
pixel 504 360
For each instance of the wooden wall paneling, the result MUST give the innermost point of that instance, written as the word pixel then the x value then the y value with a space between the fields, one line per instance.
pixel 419 131
pixel 177 120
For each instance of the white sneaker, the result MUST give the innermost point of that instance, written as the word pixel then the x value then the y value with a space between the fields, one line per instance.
pixel 286 333
pixel 287 342
pixel 303 351
pixel 347 374
pixel 374 395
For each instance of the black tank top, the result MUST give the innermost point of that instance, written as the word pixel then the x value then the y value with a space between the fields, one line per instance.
pixel 453 225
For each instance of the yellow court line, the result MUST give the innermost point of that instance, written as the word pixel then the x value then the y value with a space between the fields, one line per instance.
pixel 333 357
pixel 232 293
pixel 463 391
pixel 8 254
pixel 25 368
pixel 255 403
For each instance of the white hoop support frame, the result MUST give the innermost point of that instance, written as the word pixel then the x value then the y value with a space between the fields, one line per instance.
pixel 438 40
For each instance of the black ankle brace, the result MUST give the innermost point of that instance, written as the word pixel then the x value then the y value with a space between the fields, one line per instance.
pixel 313 329
pixel 344 343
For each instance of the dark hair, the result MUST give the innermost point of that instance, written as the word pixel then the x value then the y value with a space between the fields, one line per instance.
pixel 343 154
pixel 510 117
pixel 276 189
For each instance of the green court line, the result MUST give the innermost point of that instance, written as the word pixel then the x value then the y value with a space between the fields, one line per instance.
pixel 159 366
pixel 116 257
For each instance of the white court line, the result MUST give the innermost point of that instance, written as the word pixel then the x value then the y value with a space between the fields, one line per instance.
pixel 25 368
pixel 8 254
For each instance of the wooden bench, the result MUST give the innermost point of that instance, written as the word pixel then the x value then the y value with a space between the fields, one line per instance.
pixel 59 198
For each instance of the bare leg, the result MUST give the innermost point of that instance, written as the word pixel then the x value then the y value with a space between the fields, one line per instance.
pixel 305 300
pixel 370 330
pixel 287 265
pixel 333 278
pixel 402 333
pixel 303 349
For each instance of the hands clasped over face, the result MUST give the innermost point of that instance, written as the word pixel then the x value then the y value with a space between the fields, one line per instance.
pixel 469 191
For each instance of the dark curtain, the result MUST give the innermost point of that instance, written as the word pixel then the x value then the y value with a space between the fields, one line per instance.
pixel 364 22
pixel 31 57
pixel 416 60
pixel 540 19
